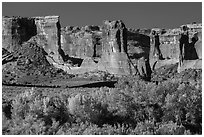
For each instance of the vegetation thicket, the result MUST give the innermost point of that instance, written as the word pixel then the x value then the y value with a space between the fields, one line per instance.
pixel 134 106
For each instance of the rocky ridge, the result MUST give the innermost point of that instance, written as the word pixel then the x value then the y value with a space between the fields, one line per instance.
pixel 112 47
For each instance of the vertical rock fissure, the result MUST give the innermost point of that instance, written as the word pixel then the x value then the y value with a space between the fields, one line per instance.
pixel 60 51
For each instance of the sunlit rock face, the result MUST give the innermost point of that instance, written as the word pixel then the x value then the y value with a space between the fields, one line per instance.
pixel 107 45
pixel 114 46
pixel 49 28
pixel 115 37
pixel 81 42
pixel 198 45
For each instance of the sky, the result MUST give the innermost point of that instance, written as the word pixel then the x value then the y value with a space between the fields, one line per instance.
pixel 133 14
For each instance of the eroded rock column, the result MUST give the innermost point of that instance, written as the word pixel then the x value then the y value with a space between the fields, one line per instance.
pixel 114 46
pixel 48 27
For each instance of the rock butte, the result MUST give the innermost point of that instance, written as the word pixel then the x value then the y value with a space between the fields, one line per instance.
pixel 111 47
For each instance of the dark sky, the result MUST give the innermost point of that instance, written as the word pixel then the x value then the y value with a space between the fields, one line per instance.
pixel 134 14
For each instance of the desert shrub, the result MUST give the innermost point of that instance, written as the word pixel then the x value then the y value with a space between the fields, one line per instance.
pixel 134 107
pixel 142 128
pixel 87 108
pixel 34 113
pixel 171 128
pixel 135 103
pixel 6 122
pixel 6 108
pixel 83 128
pixel 185 107
pixel 171 100
pixel 111 106
pixel 93 129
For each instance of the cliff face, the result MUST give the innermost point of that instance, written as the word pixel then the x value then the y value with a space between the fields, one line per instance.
pixel 114 47
pixel 62 46
pixel 81 42
pixel 169 45
pixel 169 39
pixel 101 48
pixel 28 43
pixel 17 30
pixel 49 28
pixel 138 51
pixel 198 45
pixel 101 43
pixel 111 47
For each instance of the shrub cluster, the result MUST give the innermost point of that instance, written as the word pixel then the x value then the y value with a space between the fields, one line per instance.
pixel 134 107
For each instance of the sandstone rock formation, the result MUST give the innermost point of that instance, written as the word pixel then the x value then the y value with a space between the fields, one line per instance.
pixel 92 43
pixel 193 55
pixel 68 47
pixel 138 51
pixel 16 30
pixel 198 45
pixel 111 47
pixel 169 46
pixel 114 46
pixel 49 28
pixel 81 42
pixel 104 48
pixel 29 42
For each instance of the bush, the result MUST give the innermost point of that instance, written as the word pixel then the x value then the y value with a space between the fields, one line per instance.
pixel 171 128
pixel 33 113
pixel 133 107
